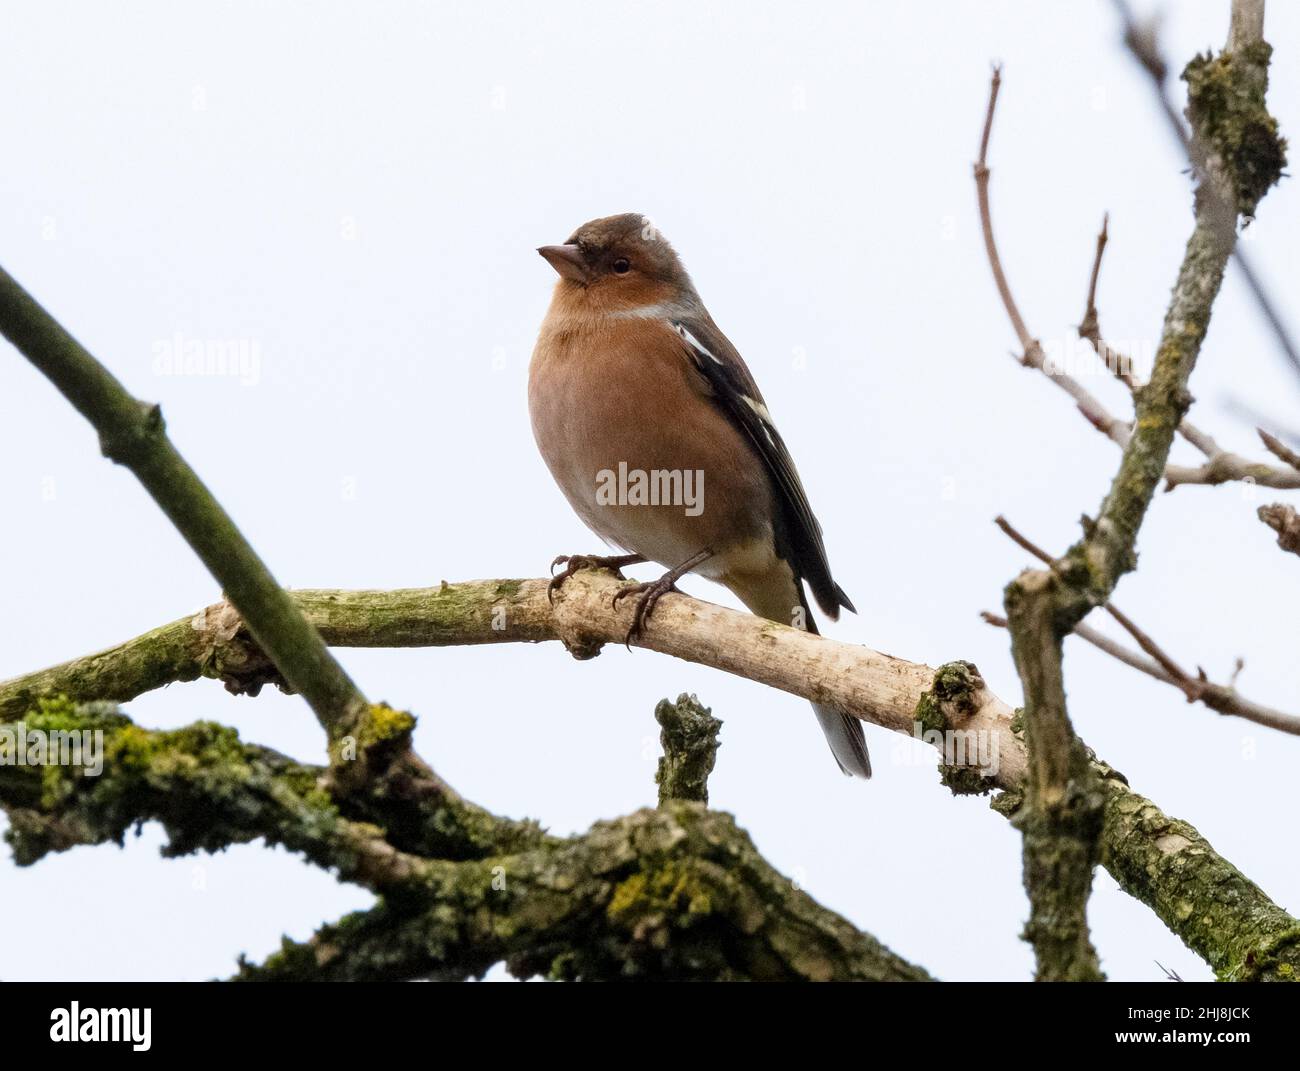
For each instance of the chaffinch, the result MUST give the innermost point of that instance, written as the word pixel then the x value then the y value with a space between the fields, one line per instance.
pixel 657 434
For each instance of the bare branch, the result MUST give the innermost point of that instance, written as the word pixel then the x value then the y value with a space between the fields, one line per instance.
pixel 1246 32
pixel 1060 819
pixel 889 691
pixel 876 687
pixel 1222 698
pixel 1144 641
pixel 206 787
pixel 1063 803
pixel 1279 449
pixel 1120 364
pixel 1285 522
pixel 1221 466
pixel 677 893
pixel 131 433
pixel 1226 467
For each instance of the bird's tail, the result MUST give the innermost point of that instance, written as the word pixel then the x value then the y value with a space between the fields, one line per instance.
pixel 845 736
pixel 843 731
pixel 776 596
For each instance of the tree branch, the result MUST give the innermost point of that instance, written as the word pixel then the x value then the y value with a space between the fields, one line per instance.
pixel 1221 466
pixel 688 734
pixel 1165 863
pixel 678 893
pixel 907 697
pixel 1221 698
pixel 131 433
pixel 1061 818
pixel 207 789
pixel 1242 138
pixel 1160 860
pixel 1285 522
pixel 875 687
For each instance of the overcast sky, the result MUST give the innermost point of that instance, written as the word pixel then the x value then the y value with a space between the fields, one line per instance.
pixel 354 192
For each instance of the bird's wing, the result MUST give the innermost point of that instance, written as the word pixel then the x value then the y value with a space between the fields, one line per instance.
pixel 732 387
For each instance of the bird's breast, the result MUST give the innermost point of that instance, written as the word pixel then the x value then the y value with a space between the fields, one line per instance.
pixel 645 458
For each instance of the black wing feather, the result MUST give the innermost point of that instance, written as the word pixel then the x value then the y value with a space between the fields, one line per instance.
pixel 736 392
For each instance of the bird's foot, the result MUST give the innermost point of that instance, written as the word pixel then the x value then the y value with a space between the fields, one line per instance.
pixel 650 592
pixel 573 562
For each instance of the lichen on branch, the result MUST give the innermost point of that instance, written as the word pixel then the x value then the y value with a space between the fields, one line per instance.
pixel 688 734
pixel 674 893
pixel 1237 155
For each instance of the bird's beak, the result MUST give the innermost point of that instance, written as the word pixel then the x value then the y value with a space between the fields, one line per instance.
pixel 568 261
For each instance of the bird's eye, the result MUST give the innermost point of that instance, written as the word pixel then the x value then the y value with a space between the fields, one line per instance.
pixel 622 265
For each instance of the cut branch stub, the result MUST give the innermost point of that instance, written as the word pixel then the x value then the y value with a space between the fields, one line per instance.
pixel 689 736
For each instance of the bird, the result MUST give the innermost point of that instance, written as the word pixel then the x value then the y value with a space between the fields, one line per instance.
pixel 631 380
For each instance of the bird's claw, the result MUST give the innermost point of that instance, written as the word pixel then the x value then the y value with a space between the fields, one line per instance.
pixel 574 562
pixel 650 593
pixel 571 566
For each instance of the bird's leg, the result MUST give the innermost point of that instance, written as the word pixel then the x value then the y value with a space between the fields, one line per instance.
pixel 653 590
pixel 573 562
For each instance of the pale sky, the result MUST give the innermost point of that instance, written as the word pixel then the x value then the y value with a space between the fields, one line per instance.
pixel 356 191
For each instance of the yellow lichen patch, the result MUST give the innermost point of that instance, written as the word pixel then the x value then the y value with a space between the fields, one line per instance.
pixel 668 891
pixel 388 724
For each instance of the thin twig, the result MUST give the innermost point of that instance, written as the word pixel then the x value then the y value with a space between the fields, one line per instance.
pixel 1031 355
pixel 1062 801
pixel 1090 326
pixel 1221 465
pixel 1279 449
pixel 1247 27
pixel 1061 798
pixel 1221 698
pixel 1120 363
pixel 1176 672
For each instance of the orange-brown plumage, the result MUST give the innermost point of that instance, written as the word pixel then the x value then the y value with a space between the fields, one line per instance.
pixel 631 374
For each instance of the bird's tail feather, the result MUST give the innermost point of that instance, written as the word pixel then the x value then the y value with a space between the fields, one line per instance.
pixel 847 741
pixel 843 731
pixel 774 594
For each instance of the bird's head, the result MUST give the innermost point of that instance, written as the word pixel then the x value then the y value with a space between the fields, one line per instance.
pixel 619 262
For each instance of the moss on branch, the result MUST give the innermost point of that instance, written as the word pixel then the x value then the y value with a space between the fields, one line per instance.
pixel 422 816
pixel 208 790
pixel 214 643
pixel 205 787
pixel 1226 106
pixel 688 734
pixel 955 695
pixel 675 893
pixel 1222 915
pixel 1238 156
pixel 1210 905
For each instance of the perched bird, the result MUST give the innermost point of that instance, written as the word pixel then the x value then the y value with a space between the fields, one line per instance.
pixel 657 434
